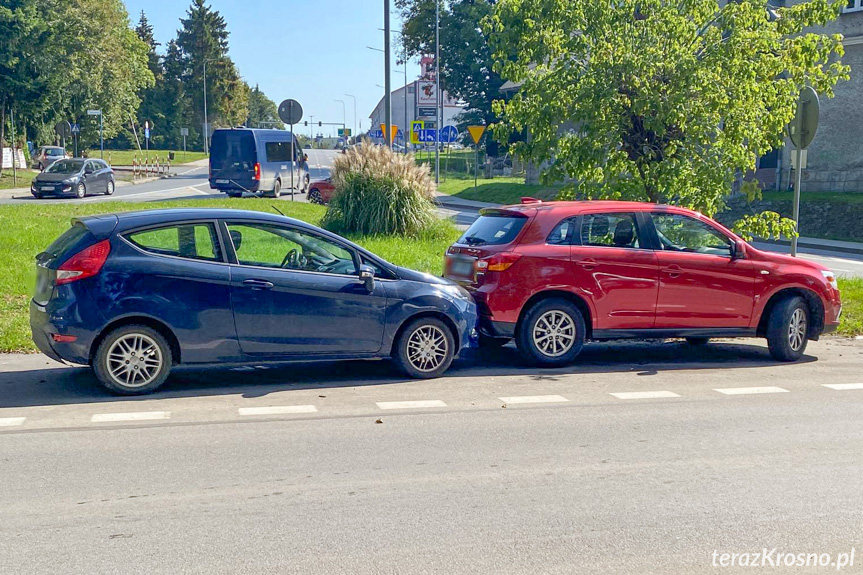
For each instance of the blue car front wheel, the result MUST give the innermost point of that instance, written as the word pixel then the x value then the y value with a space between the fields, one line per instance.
pixel 425 348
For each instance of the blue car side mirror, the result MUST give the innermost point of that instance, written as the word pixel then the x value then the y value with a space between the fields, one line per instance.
pixel 367 276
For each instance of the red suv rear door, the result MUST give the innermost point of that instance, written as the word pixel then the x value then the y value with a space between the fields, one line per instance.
pixel 701 285
pixel 613 263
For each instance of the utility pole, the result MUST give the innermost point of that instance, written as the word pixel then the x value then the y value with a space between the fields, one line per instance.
pixel 438 113
pixel 388 105
pixel 206 123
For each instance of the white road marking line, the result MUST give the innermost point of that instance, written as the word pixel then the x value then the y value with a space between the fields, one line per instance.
pixel 410 404
pixel 277 410
pixel 644 394
pixel 138 416
pixel 843 386
pixel 534 399
pixel 750 390
pixel 11 421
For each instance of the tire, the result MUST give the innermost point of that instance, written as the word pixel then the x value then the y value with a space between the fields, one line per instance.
pixel 488 342
pixel 277 189
pixel 315 197
pixel 307 181
pixel 414 358
pixel 110 190
pixel 787 329
pixel 697 341
pixel 540 323
pixel 41 167
pixel 80 190
pixel 234 194
pixel 123 347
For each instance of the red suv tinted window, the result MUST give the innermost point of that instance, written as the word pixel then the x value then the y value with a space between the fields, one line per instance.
pixel 618 230
pixel 493 230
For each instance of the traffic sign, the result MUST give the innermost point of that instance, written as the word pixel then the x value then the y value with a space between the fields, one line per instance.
pixel 476 133
pixel 802 128
pixel 394 131
pixel 94 112
pixel 184 131
pixel 449 135
pixel 63 129
pixel 76 128
pixel 416 128
pixel 290 112
pixel 147 133
pixel 430 112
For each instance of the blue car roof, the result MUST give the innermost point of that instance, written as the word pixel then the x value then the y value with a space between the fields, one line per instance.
pixel 103 225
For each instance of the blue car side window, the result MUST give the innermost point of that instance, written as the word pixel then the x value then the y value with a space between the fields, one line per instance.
pixel 268 246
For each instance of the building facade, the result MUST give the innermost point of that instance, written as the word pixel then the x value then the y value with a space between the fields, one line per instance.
pixel 834 158
pixel 416 101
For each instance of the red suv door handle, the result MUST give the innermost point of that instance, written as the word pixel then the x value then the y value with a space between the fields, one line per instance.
pixel 673 271
pixel 588 264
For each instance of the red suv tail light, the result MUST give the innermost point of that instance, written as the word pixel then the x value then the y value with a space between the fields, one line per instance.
pixel 84 264
pixel 257 175
pixel 499 262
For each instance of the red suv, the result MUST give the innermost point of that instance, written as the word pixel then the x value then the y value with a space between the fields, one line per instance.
pixel 552 275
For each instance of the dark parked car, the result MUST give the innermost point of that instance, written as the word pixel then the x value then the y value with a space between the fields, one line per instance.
pixel 552 275
pixel 136 293
pixel 75 177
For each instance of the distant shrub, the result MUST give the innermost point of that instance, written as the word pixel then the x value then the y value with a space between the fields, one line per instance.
pixel 380 192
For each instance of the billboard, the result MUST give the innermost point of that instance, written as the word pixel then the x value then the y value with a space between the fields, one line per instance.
pixel 426 93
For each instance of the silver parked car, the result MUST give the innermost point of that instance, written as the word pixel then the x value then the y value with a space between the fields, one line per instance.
pixel 47 155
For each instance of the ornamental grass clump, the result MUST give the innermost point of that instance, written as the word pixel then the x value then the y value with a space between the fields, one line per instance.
pixel 380 192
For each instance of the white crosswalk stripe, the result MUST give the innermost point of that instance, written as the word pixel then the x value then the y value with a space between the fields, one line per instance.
pixel 11 421
pixel 534 399
pixel 137 416
pixel 644 394
pixel 750 390
pixel 410 404
pixel 843 386
pixel 277 410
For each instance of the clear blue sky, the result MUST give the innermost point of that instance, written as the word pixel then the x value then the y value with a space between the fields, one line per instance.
pixel 314 52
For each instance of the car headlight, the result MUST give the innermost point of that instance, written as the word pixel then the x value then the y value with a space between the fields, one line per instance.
pixel 831 278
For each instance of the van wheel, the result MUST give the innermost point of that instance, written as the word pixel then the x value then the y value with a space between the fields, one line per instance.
pixel 234 194
pixel 133 360
pixel 788 329
pixel 306 183
pixel 425 348
pixel 551 333
pixel 277 189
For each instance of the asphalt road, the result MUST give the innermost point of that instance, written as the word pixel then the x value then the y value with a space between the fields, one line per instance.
pixel 492 469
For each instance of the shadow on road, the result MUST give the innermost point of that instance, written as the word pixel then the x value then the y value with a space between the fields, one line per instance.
pixel 63 386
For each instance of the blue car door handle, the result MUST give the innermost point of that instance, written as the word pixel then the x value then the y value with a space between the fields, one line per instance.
pixel 258 284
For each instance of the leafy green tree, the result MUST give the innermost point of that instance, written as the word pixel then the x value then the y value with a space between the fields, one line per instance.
pixel 106 65
pixel 467 71
pixel 263 112
pixel 24 77
pixel 203 38
pixel 658 101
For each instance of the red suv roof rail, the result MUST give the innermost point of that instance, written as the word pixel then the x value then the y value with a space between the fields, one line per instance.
pixel 529 200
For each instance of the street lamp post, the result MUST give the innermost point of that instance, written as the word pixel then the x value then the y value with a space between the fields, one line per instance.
pixel 388 105
pixel 438 113
pixel 355 113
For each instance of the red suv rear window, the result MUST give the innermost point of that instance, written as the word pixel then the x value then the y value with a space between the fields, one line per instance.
pixel 493 230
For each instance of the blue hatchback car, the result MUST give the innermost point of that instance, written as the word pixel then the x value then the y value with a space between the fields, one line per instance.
pixel 133 294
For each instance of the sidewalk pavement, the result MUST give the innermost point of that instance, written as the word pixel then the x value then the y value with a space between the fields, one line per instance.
pixel 856 248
